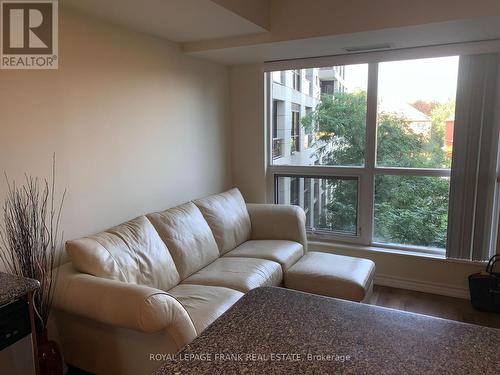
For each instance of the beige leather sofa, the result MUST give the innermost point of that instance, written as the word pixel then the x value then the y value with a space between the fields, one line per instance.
pixel 149 286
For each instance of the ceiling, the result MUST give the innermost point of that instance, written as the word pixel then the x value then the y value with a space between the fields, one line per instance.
pixel 176 20
pixel 484 28
pixel 237 31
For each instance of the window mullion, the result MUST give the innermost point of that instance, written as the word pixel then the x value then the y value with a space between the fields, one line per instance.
pixel 366 192
pixel 270 188
pixel 317 170
pixel 423 172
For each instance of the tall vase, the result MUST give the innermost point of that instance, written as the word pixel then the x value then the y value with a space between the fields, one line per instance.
pixel 49 355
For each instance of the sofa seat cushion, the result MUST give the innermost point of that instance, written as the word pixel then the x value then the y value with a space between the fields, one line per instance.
pixel 332 275
pixel 228 217
pixel 204 303
pixel 131 252
pixel 285 253
pixel 243 274
pixel 187 236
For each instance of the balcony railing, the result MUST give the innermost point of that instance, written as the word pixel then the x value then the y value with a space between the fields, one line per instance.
pixel 277 147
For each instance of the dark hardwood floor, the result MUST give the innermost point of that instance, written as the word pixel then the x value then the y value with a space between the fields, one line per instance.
pixel 432 304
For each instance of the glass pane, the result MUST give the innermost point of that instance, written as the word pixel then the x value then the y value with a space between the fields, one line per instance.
pixel 330 203
pixel 416 112
pixel 411 210
pixel 319 116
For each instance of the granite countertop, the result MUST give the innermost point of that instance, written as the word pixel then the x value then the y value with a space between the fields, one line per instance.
pixel 13 287
pixel 280 331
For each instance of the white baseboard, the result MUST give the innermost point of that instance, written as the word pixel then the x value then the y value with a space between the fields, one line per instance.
pixel 422 286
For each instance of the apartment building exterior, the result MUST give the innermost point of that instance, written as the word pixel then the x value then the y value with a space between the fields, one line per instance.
pixel 295 94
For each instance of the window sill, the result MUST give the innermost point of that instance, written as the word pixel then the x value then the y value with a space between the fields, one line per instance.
pixel 355 248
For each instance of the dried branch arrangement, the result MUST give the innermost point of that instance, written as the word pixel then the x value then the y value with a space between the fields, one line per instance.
pixel 30 238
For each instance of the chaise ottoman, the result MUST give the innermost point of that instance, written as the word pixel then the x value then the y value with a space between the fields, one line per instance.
pixel 332 275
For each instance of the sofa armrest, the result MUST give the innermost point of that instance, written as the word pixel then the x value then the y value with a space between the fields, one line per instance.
pixel 278 222
pixel 120 304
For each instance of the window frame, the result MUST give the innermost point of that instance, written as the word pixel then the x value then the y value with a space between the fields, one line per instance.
pixel 295 129
pixel 277 142
pixel 320 232
pixel 366 174
pixel 297 79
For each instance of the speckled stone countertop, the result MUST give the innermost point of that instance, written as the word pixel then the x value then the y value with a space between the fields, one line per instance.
pixel 280 331
pixel 13 287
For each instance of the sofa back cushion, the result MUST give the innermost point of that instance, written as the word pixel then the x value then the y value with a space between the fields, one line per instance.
pixel 132 252
pixel 228 218
pixel 187 236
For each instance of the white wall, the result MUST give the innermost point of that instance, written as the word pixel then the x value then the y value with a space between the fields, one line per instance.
pixel 136 125
pixel 248 138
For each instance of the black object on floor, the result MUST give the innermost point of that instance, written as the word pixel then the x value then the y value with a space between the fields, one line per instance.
pixel 485 288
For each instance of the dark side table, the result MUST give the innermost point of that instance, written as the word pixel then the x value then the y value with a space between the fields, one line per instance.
pixel 18 349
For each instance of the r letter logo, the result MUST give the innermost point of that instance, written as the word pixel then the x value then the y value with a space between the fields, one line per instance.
pixel 29 37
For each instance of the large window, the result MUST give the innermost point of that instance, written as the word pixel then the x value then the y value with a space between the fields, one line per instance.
pixel 375 162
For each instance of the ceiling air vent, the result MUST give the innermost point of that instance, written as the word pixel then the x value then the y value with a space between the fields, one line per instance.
pixel 373 47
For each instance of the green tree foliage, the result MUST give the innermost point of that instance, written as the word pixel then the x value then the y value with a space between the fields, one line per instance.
pixel 339 125
pixel 411 210
pixel 397 145
pixel 439 116
pixel 341 212
pixel 408 210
